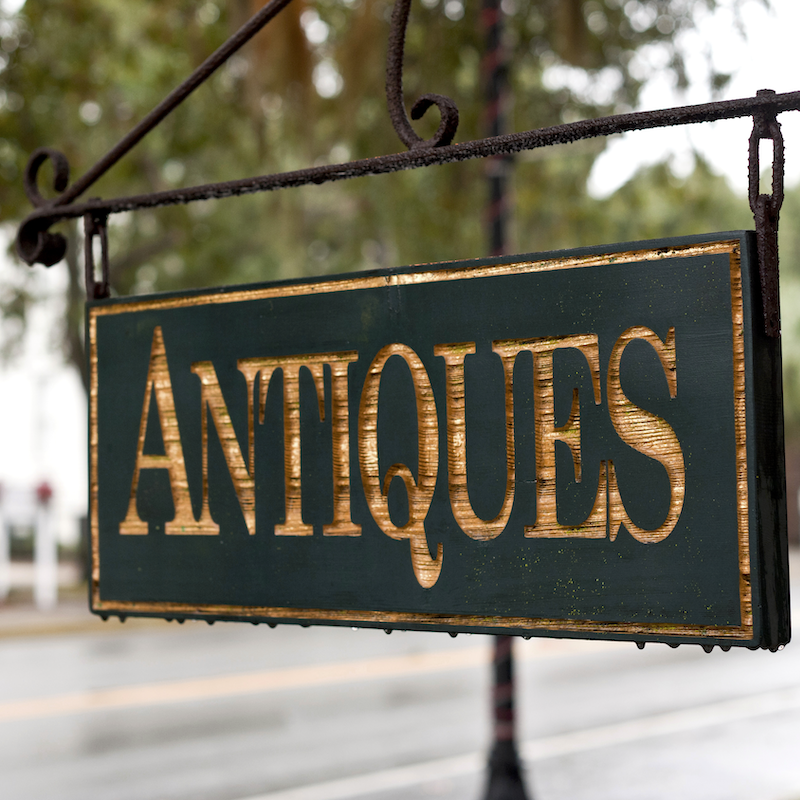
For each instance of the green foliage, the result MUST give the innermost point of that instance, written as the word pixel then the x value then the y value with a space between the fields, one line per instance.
pixel 656 203
pixel 77 74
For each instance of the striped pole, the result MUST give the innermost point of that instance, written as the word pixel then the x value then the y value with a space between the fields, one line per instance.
pixel 505 775
pixel 505 772
pixel 495 70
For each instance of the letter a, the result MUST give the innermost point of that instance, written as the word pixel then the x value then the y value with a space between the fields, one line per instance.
pixel 183 522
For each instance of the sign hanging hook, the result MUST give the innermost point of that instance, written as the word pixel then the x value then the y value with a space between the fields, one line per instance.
pixel 766 210
pixel 95 223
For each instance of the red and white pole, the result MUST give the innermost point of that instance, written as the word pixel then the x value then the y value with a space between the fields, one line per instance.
pixel 45 587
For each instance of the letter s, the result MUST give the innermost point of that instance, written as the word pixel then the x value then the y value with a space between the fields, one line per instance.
pixel 647 433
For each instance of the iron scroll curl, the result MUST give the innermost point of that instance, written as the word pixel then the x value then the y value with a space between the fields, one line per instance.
pixel 394 91
pixel 35 244
pixel 60 176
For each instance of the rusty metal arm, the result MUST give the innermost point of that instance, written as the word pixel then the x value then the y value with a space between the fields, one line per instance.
pixel 42 218
pixel 36 244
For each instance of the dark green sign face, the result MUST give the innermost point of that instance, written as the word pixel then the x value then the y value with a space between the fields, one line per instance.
pixel 586 443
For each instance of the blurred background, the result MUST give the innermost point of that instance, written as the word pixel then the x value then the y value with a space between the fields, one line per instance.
pixel 77 75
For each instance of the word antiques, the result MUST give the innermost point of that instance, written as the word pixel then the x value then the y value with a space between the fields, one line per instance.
pixel 264 452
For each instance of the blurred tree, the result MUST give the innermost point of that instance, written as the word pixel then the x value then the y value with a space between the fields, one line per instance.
pixel 77 74
pixel 656 202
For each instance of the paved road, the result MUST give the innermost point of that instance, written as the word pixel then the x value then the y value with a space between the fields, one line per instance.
pixel 153 711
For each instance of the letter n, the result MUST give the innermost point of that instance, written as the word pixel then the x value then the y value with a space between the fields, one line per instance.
pixel 243 480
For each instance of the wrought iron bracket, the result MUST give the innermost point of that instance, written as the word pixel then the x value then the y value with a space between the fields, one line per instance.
pixel 37 245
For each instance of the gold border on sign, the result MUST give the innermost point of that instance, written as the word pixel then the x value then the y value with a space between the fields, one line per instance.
pixel 437 275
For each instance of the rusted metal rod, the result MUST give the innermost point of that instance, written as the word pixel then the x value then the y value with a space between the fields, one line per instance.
pixel 36 244
pixel 41 219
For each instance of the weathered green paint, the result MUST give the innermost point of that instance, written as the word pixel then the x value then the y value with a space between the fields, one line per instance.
pixel 686 587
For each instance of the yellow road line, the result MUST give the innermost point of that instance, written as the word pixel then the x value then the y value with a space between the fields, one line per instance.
pixel 151 694
pixel 273 680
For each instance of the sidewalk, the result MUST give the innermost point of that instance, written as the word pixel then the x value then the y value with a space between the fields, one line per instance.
pixel 20 617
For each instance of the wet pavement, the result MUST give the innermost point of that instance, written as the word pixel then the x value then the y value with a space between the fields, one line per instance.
pixel 150 710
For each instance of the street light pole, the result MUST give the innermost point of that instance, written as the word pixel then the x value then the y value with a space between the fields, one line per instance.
pixel 505 774
pixel 495 77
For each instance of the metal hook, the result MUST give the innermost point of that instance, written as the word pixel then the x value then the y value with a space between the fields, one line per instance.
pixel 766 211
pixel 95 223
pixel 394 91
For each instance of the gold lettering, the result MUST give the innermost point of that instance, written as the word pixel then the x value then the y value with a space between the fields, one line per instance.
pixel 420 492
pixel 647 433
pixel 342 524
pixel 293 524
pixel 183 522
pixel 570 433
pixel 468 521
pixel 547 434
pixel 242 477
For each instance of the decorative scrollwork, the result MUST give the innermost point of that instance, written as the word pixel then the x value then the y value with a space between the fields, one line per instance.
pixel 35 244
pixel 60 174
pixel 394 91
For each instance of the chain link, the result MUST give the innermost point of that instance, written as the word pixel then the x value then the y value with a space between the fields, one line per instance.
pixel 766 210
pixel 96 224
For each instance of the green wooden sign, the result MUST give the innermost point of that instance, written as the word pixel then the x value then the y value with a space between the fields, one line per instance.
pixel 584 443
